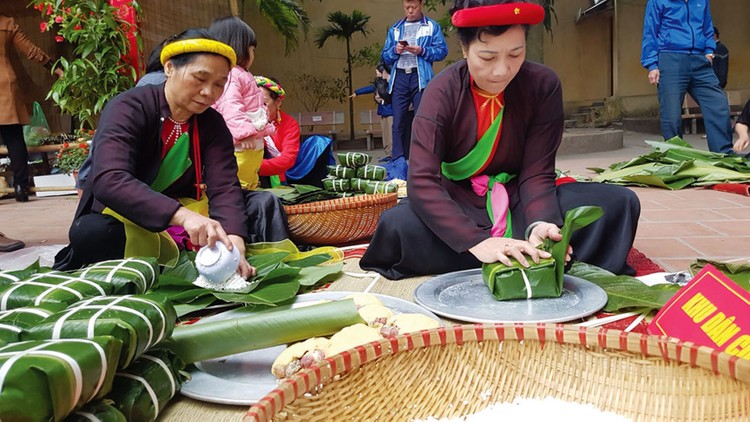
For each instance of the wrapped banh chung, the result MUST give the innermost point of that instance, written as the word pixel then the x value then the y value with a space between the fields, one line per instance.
pixel 52 290
pixel 543 279
pixel 15 321
pixel 140 322
pixel 142 390
pixel 46 380
pixel 98 411
pixel 372 172
pixel 128 276
pixel 341 172
pixel 380 187
pixel 337 185
pixel 353 159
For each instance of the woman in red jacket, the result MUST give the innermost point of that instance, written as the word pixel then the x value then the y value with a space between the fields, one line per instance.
pixel 283 146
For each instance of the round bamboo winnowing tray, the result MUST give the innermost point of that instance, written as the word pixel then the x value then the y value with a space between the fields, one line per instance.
pixel 460 370
pixel 337 221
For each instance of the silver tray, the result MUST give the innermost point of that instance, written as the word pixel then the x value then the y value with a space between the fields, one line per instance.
pixel 245 378
pixel 464 296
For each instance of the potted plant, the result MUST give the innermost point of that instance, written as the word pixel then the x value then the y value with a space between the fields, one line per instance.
pixel 70 157
pixel 96 70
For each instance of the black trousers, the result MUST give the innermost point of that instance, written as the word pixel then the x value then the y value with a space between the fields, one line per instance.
pixel 266 218
pixel 93 238
pixel 19 156
pixel 403 246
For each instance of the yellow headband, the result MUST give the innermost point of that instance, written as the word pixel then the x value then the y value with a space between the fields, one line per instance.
pixel 198 45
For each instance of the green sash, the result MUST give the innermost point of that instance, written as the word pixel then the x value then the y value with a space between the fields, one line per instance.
pixel 469 166
pixel 142 242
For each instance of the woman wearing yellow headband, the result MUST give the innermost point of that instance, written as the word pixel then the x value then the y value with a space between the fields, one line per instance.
pixel 156 146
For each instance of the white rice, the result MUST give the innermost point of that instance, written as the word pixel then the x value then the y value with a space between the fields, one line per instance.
pixel 537 409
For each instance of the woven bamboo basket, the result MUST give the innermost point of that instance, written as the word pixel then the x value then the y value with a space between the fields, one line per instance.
pixel 337 221
pixel 460 370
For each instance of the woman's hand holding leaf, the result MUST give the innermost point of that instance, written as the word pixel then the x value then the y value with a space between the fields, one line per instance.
pixel 543 231
pixel 501 249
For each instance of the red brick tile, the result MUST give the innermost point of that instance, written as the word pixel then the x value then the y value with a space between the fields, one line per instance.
pixel 691 216
pixel 665 248
pixel 668 229
pixel 731 228
pixel 720 247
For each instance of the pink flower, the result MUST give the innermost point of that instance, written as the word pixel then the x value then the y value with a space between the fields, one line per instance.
pixel 39 7
pixel 43 27
pixel 77 28
pixel 58 19
pixel 59 38
pixel 49 9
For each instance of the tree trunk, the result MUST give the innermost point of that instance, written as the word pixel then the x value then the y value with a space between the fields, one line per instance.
pixel 349 82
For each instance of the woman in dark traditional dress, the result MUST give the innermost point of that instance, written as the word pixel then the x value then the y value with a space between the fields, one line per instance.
pixel 156 147
pixel 492 124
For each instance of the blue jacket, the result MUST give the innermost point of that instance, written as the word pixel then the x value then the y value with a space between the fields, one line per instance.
pixel 429 37
pixel 676 26
pixel 384 110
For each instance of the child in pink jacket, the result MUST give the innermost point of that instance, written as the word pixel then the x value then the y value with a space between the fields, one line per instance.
pixel 242 103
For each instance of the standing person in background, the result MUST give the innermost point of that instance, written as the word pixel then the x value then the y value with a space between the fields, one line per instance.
pixel 243 107
pixel 412 45
pixel 13 113
pixel 283 146
pixel 678 50
pixel 383 99
pixel 721 60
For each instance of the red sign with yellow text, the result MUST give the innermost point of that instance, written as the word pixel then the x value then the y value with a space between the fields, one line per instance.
pixel 711 310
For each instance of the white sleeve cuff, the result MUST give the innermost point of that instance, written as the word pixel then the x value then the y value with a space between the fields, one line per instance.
pixel 527 233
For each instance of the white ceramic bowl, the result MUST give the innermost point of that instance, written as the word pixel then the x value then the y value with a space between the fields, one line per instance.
pixel 218 263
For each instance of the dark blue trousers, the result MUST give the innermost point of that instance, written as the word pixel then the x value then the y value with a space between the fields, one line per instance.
pixel 693 73
pixel 405 93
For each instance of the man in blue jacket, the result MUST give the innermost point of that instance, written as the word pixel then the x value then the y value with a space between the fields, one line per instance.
pixel 678 50
pixel 411 46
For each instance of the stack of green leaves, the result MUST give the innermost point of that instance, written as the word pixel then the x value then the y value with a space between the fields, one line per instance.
pixel 542 279
pixel 46 380
pixel 14 322
pixel 303 194
pixel 53 290
pixel 675 164
pixel 142 390
pixel 100 411
pixel 139 322
pixel 129 276
pixel 280 276
pixel 625 293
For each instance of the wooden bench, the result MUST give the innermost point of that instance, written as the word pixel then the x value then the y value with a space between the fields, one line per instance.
pixel 691 111
pixel 371 121
pixel 326 123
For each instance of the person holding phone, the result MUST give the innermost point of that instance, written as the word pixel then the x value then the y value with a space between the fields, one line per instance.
pixel 412 45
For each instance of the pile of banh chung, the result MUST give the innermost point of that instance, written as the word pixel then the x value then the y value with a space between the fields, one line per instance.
pixel 355 174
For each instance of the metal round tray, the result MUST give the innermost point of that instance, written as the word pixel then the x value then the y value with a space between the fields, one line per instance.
pixel 464 296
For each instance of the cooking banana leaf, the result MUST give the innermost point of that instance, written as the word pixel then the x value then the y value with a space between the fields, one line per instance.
pixel 129 276
pixel 354 159
pixel 337 185
pixel 341 172
pixel 215 339
pixel 7 277
pixel 302 194
pixel 52 290
pixel 380 187
pixel 739 272
pixel 625 293
pixel 14 322
pixel 372 172
pixel 542 279
pixel 98 411
pixel 675 164
pixel 143 390
pixel 139 322
pixel 46 380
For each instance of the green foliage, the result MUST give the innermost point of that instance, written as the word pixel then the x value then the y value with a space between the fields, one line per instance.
pixel 286 16
pixel 96 72
pixel 343 27
pixel 368 56
pixel 316 91
pixel 70 158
